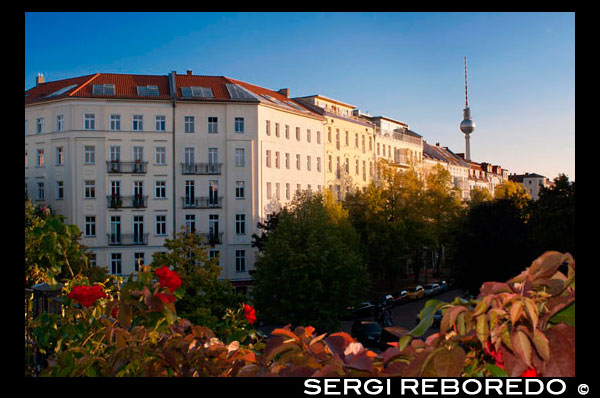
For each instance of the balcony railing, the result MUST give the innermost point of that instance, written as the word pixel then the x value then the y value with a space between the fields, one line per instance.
pixel 127 202
pixel 202 202
pixel 119 167
pixel 127 239
pixel 201 168
pixel 399 136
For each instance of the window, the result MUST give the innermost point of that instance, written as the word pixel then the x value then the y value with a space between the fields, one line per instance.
pixel 160 155
pixel 363 143
pixel 213 156
pixel 39 125
pixel 138 153
pixel 115 122
pixel 214 254
pixel 318 163
pixel 239 157
pixel 40 192
pixel 160 123
pixel 268 158
pixel 287 131
pixel 240 188
pixel 268 190
pixel 329 163
pixel 115 188
pixel 160 189
pixel 308 135
pixel 240 224
pixel 347 143
pixel 137 123
pixel 115 153
pixel 161 224
pixel 298 162
pixel 60 122
pixel 213 192
pixel 89 121
pixel 40 158
pixel 189 192
pixel 60 160
pixel 268 128
pixel 378 152
pixel 213 125
pixel 277 196
pixel 277 159
pixel 356 140
pixel 337 138
pixel 298 133
pixel 188 124
pixel 308 163
pixel 329 134
pixel 138 261
pixel 138 229
pixel 89 189
pixel 276 129
pixel 115 230
pixel 318 137
pixel 138 188
pixel 213 225
pixel 89 154
pixel 347 166
pixel 188 156
pixel 92 259
pixel 240 260
pixel 239 124
pixel 190 223
pixel 115 263
pixel 357 167
pixel 287 190
pixel 60 190
pixel 287 160
pixel 90 225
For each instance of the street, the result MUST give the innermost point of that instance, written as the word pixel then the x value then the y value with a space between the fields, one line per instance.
pixel 405 315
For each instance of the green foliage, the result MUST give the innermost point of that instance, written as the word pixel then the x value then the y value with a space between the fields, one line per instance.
pixel 309 270
pixel 480 195
pixel 52 248
pixel 206 297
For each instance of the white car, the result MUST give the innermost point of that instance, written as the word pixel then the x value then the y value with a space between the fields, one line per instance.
pixel 432 289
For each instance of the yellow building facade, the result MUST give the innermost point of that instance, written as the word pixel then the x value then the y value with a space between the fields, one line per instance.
pixel 348 145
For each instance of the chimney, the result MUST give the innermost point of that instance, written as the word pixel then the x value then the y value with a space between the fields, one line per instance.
pixel 189 72
pixel 437 144
pixel 39 79
pixel 285 91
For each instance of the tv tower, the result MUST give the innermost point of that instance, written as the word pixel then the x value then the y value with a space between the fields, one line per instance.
pixel 467 126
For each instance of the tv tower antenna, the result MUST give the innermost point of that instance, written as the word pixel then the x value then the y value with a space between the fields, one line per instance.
pixel 467 126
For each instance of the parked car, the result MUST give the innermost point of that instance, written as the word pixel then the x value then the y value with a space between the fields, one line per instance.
pixel 431 289
pixel 387 300
pixel 391 335
pixel 365 309
pixel 400 297
pixel 437 319
pixel 367 332
pixel 444 286
pixel 416 292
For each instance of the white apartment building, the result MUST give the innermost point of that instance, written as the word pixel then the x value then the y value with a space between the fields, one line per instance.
pixel 458 168
pixel 532 181
pixel 131 159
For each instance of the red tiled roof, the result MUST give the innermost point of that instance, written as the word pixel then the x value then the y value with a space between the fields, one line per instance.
pixel 41 92
pixel 216 83
pixel 126 86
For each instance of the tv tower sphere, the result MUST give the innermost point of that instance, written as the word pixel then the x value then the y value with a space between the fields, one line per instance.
pixel 467 126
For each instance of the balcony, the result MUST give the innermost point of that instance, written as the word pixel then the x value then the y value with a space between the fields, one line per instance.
pixel 127 239
pixel 201 168
pixel 118 167
pixel 202 202
pixel 127 202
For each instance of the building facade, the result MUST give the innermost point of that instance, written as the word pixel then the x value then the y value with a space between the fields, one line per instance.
pixel 532 182
pixel 132 159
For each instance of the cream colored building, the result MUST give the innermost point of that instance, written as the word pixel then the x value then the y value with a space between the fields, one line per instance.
pixel 458 168
pixel 132 158
pixel 348 145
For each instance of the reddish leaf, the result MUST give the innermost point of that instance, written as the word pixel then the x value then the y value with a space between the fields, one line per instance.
pixel 444 363
pixel 494 287
pixel 284 332
pixel 561 340
pixel 521 345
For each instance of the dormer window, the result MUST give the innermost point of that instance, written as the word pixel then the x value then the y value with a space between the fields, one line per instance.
pixel 148 91
pixel 104 89
pixel 197 92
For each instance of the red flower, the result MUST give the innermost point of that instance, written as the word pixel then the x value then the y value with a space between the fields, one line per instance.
pixel 168 278
pixel 86 295
pixel 166 298
pixel 531 372
pixel 250 313
pixel 114 312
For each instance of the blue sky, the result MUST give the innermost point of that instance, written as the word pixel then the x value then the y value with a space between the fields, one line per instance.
pixel 407 66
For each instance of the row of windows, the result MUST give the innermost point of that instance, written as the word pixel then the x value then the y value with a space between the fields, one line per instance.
pixel 116 260
pixel 346 167
pixel 213 224
pixel 160 189
pixel 287 161
pixel 137 123
pixel 160 155
pixel 287 132
pixel 276 194
pixel 347 140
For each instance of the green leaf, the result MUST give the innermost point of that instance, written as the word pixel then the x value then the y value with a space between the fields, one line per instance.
pixel 495 371
pixel 403 342
pixel 483 329
pixel 426 317
pixel 566 315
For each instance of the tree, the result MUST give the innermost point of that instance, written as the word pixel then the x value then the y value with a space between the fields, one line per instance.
pixel 513 191
pixel 206 297
pixel 553 217
pixel 52 248
pixel 489 244
pixel 309 271
pixel 267 227
pixel 480 195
